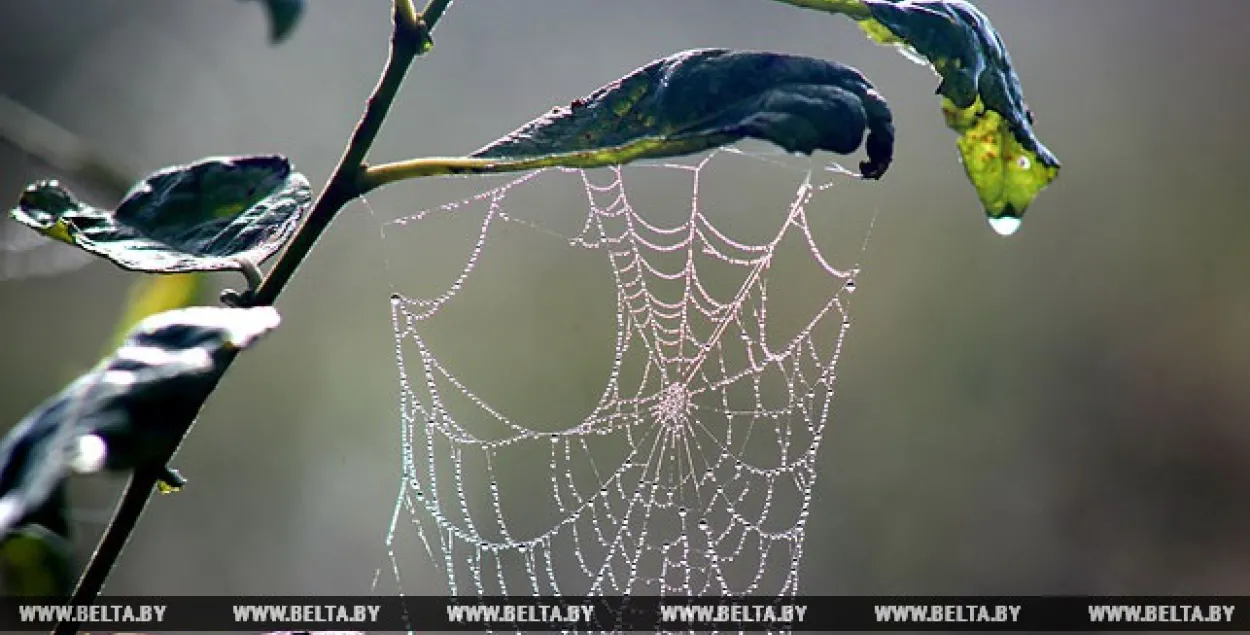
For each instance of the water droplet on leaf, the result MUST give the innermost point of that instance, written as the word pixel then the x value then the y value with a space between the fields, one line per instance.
pixel 1005 225
pixel 89 455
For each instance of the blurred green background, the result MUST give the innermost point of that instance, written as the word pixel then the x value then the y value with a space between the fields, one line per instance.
pixel 1064 411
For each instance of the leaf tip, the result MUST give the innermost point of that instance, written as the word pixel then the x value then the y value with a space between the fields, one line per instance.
pixel 283 16
pixel 259 321
pixel 239 327
pixel 170 482
pixel 42 203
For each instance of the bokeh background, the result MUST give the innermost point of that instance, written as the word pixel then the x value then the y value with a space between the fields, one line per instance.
pixel 1064 411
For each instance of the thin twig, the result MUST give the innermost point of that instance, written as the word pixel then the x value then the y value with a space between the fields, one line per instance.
pixel 410 38
pixel 42 138
pixel 407 40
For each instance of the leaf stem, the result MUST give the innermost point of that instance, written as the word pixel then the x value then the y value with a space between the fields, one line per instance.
pixel 410 37
pixel 647 147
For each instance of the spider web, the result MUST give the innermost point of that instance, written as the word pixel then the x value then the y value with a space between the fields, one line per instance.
pixel 690 469
pixel 26 254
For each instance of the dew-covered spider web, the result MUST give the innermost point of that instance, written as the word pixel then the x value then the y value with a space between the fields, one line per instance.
pixel 25 254
pixel 641 412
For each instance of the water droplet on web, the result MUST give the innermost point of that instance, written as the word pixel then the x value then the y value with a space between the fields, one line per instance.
pixel 1005 225
pixel 850 286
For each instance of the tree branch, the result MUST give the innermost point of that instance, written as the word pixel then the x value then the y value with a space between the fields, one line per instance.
pixel 410 38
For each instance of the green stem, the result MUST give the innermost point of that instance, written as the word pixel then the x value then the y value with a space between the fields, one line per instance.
pixel 410 38
pixel 649 147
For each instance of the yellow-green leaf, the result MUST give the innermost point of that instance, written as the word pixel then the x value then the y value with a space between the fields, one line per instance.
pixel 1006 175
pixel 36 563
pixel 982 97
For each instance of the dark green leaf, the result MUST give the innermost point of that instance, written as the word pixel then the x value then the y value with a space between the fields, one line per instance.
pixel 698 100
pixel 128 412
pixel 283 15
pixel 983 100
pixel 213 215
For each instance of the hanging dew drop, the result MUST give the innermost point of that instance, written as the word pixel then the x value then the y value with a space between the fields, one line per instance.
pixel 1005 225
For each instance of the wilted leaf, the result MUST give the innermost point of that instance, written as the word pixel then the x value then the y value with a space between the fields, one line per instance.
pixel 36 563
pixel 698 100
pixel 212 215
pixel 283 15
pixel 129 410
pixel 982 98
